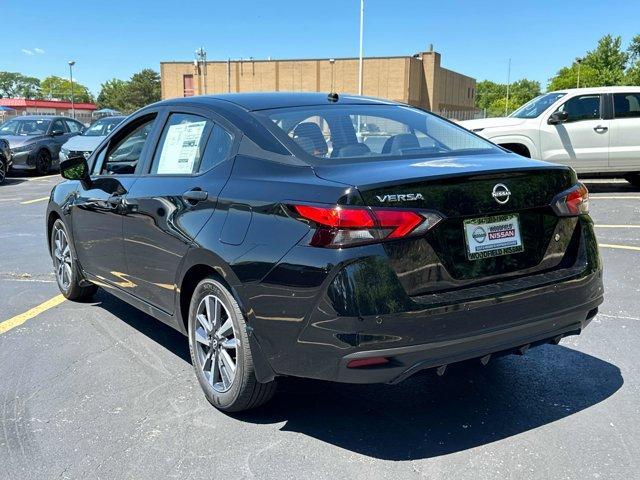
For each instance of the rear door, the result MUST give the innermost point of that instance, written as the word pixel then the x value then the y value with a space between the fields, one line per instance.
pixel 98 210
pixel 173 199
pixel 625 132
pixel 581 142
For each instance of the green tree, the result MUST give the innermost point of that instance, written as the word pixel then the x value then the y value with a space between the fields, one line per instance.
pixel 13 84
pixel 609 60
pixel 60 88
pixel 113 94
pixel 603 66
pixel 491 97
pixel 567 77
pixel 143 88
pixel 632 76
pixel 127 96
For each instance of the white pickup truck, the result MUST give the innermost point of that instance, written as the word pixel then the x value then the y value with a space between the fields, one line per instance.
pixel 594 130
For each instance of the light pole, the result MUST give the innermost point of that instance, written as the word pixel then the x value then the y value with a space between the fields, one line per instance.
pixel 579 62
pixel 73 107
pixel 506 105
pixel 201 59
pixel 361 38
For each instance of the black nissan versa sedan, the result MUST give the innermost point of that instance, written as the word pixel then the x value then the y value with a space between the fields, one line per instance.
pixel 333 237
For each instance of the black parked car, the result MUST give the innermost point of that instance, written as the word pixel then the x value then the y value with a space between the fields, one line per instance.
pixel 35 140
pixel 5 159
pixel 264 228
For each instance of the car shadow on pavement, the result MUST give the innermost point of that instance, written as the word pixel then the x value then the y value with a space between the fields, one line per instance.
pixel 14 181
pixel 610 186
pixel 425 416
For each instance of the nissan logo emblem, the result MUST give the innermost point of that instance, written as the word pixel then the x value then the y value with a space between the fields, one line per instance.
pixel 501 193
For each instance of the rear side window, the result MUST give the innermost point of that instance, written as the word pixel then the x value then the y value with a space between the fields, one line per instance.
pixel 58 126
pixel 626 105
pixel 364 131
pixel 123 156
pixel 583 107
pixel 190 144
pixel 74 127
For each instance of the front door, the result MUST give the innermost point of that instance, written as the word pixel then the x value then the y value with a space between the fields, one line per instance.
pixel 172 201
pixel 59 135
pixel 98 210
pixel 582 141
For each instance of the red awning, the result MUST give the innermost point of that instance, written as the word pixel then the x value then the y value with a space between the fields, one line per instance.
pixel 23 102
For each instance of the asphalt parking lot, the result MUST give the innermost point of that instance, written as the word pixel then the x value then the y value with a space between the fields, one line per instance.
pixel 101 390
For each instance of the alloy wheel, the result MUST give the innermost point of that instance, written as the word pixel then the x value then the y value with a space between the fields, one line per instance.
pixel 3 170
pixel 62 260
pixel 216 343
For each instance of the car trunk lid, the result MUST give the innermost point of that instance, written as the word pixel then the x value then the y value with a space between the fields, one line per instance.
pixel 469 189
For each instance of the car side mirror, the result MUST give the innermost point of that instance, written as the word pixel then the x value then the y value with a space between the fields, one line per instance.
pixel 76 168
pixel 558 117
pixel 56 133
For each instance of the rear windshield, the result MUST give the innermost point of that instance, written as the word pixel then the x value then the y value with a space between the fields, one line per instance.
pixel 364 131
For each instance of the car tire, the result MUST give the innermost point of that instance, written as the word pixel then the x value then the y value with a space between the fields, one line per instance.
pixel 218 340
pixel 633 179
pixel 65 267
pixel 43 162
pixel 3 169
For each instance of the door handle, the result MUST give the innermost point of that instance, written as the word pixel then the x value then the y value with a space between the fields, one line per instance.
pixel 195 196
pixel 601 129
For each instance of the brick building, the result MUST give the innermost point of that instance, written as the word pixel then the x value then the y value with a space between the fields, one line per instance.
pixel 419 80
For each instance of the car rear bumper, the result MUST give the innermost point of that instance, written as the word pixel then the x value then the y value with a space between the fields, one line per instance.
pixel 320 309
pixel 403 362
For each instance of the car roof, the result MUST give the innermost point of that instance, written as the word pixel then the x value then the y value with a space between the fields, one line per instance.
pixel 270 100
pixel 630 88
pixel 111 117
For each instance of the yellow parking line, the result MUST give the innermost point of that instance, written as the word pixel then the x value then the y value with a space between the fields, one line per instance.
pixel 617 226
pixel 41 199
pixel 621 247
pixel 29 314
pixel 616 197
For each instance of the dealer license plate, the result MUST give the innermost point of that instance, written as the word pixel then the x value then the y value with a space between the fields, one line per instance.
pixel 492 236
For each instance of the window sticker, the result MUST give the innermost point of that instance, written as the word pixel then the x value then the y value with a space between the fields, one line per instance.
pixel 180 148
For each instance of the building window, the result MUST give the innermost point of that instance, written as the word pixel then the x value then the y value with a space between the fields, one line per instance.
pixel 187 85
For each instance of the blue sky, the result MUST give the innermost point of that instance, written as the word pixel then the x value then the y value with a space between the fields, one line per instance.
pixel 116 38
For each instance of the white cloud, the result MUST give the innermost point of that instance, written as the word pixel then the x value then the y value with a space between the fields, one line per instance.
pixel 27 51
pixel 39 51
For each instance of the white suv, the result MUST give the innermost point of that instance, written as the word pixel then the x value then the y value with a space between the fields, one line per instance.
pixel 594 130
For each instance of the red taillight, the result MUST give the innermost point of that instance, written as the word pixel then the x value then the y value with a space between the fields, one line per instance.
pixel 572 202
pixel 338 226
pixel 337 217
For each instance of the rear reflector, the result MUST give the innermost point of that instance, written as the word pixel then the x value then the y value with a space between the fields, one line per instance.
pixel 572 202
pixel 337 226
pixel 367 362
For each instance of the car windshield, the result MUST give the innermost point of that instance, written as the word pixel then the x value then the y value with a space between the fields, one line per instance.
pixel 535 107
pixel 25 127
pixel 372 131
pixel 102 127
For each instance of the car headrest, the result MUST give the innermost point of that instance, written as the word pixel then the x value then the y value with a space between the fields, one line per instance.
pixel 309 136
pixel 354 150
pixel 397 143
